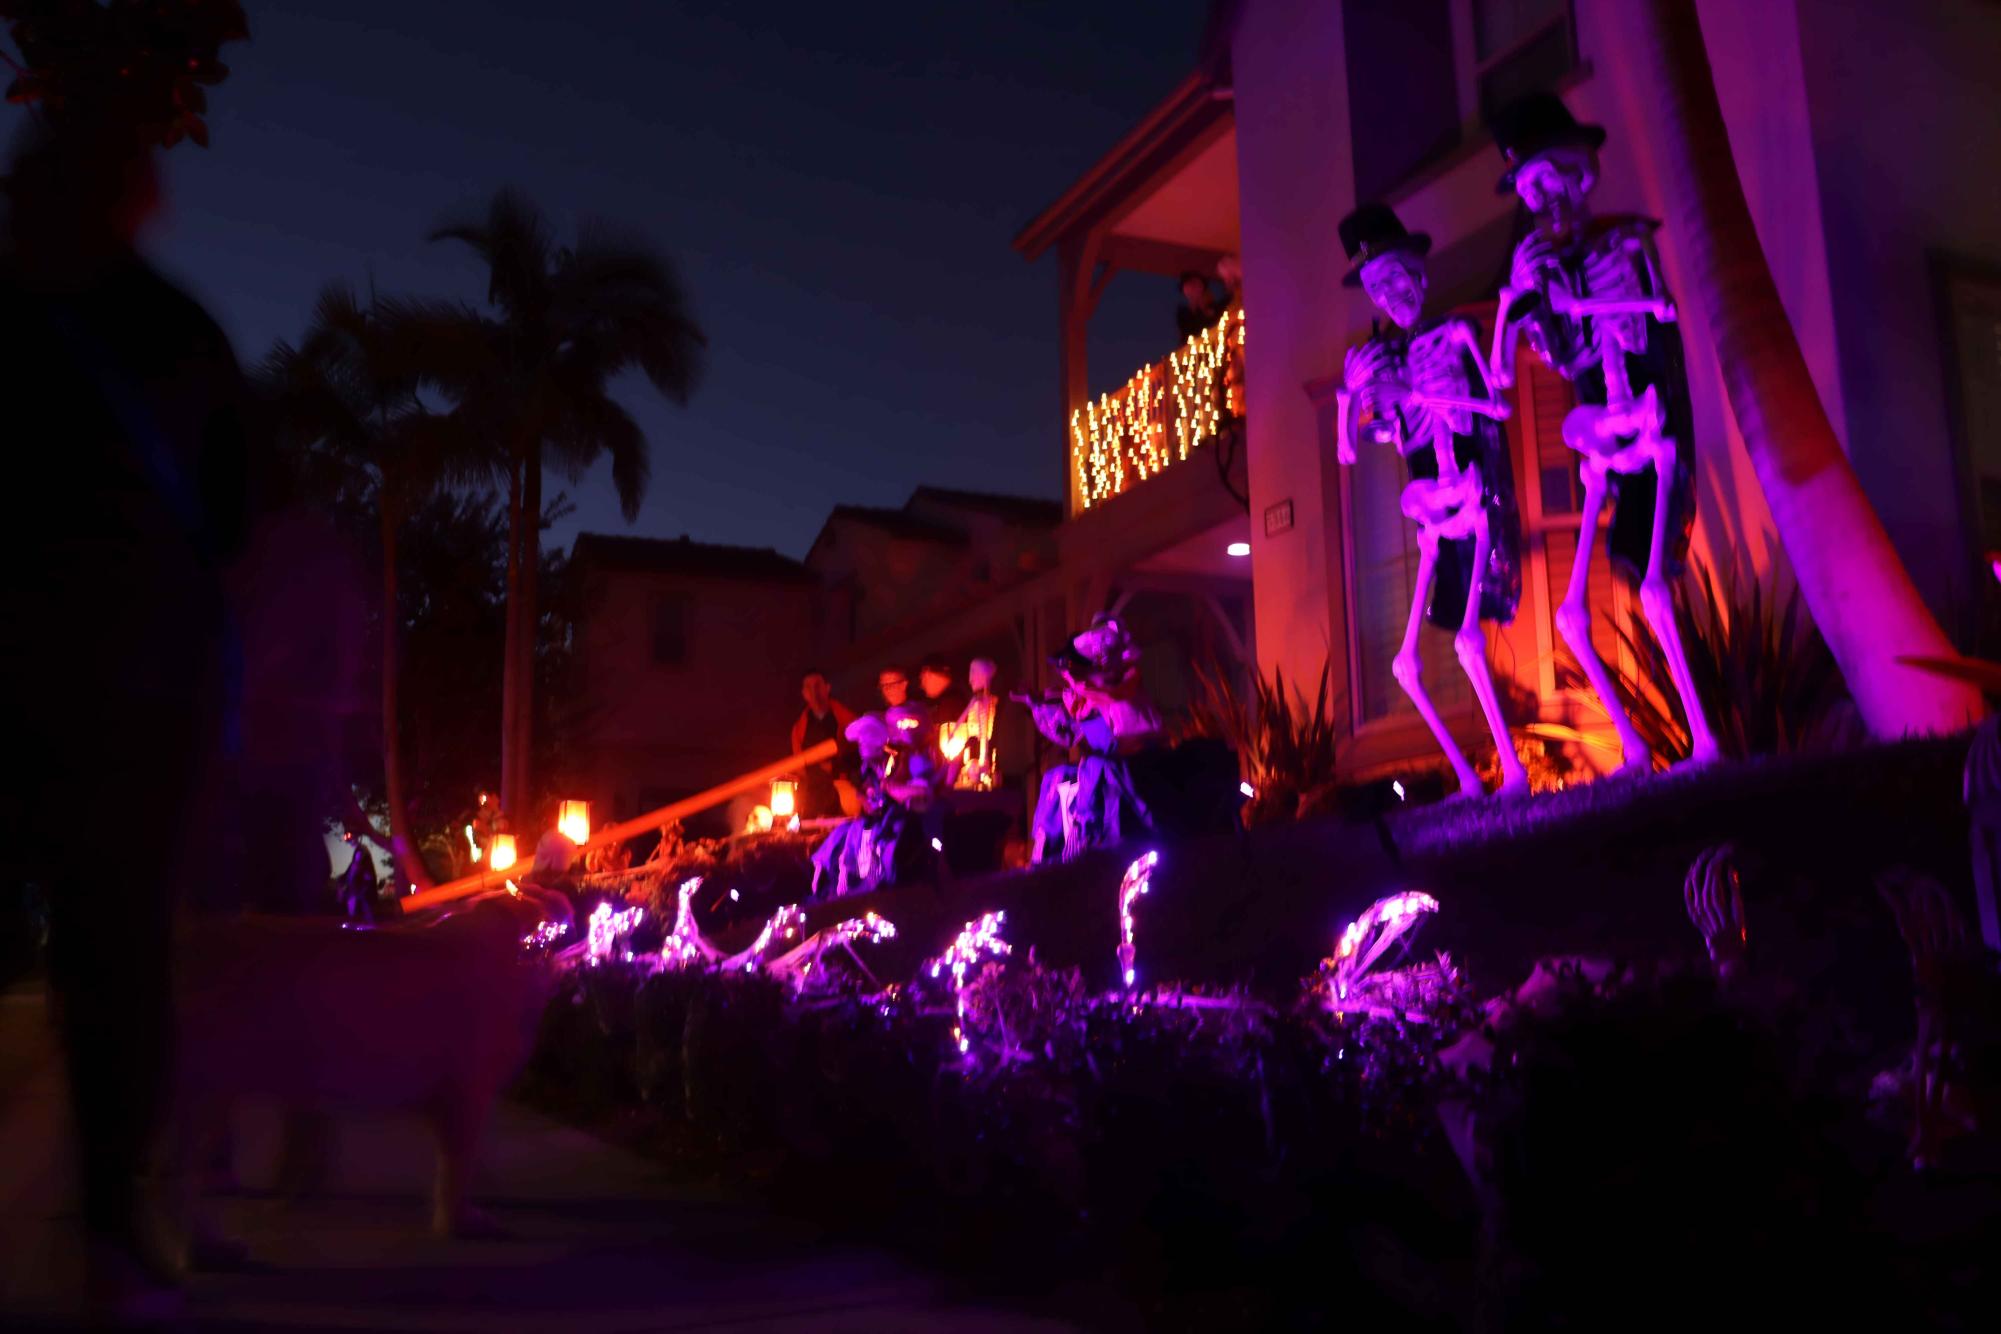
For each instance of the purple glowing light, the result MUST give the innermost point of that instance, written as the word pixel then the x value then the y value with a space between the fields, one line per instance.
pixel 1138 881
pixel 976 939
pixel 605 928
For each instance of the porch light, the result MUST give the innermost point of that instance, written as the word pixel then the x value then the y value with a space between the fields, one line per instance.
pixel 783 802
pixel 574 820
pixel 502 854
pixel 1238 549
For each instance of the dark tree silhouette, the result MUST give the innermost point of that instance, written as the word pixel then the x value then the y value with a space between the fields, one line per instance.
pixel 567 323
pixel 349 400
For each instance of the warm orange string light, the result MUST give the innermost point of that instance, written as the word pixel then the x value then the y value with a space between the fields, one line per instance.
pixel 1161 413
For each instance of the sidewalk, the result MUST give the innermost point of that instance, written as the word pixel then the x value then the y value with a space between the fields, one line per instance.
pixel 598 1241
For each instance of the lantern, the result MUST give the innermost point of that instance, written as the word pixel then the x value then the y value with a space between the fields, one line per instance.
pixel 574 820
pixel 783 800
pixel 501 856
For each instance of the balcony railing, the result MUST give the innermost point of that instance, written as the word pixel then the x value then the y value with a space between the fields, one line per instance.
pixel 1165 411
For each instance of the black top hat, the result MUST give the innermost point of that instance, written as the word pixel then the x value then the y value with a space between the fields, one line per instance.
pixel 1375 229
pixel 1533 124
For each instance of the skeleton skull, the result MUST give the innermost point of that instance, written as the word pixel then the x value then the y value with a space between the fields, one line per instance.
pixel 1396 283
pixel 1552 186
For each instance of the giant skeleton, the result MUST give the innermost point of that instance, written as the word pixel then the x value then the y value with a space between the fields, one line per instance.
pixel 1426 390
pixel 1589 295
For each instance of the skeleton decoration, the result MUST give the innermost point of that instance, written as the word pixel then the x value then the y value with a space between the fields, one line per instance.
pixel 1589 294
pixel 1953 987
pixel 1713 893
pixel 1351 984
pixel 1424 389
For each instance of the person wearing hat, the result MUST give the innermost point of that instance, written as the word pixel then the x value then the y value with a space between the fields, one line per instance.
pixel 1589 294
pixel 1104 716
pixel 1427 390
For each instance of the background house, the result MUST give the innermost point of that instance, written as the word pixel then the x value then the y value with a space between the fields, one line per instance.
pixel 689 659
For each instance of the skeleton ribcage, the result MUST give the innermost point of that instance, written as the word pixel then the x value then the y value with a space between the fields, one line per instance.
pixel 1615 271
pixel 1436 367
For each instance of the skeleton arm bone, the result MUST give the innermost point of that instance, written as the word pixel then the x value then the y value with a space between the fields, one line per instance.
pixel 1500 364
pixel 1347 406
pixel 1493 405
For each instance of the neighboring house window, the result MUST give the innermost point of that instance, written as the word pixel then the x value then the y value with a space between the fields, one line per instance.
pixel 670 630
pixel 1518 46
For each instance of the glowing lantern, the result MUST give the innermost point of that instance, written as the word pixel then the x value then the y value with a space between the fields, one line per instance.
pixel 783 802
pixel 574 820
pixel 502 854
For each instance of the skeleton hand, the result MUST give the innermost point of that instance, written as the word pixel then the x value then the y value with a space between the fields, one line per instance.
pixel 1533 257
pixel 1363 364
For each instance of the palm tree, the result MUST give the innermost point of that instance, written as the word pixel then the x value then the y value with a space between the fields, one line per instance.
pixel 1857 588
pixel 569 322
pixel 349 399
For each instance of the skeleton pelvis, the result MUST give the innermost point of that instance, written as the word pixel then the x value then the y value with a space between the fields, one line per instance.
pixel 1608 430
pixel 1445 505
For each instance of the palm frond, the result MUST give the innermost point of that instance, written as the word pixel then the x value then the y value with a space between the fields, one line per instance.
pixel 513 238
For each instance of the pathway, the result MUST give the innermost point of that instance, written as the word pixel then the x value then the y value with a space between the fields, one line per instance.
pixel 598 1241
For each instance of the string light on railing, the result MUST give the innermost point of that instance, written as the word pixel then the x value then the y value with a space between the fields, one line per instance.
pixel 1160 414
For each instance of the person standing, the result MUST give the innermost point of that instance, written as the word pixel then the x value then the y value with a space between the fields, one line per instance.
pixel 894 687
pixel 1199 308
pixel 823 719
pixel 120 656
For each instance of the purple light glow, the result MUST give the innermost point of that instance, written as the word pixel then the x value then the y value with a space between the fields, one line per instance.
pixel 1138 880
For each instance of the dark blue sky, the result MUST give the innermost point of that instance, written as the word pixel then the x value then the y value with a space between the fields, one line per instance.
pixel 839 184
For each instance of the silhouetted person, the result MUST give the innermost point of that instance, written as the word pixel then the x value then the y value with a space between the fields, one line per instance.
pixel 1199 307
pixel 823 719
pixel 125 453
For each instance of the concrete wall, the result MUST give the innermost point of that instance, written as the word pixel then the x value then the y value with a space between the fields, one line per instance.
pixel 1295 182
pixel 1906 118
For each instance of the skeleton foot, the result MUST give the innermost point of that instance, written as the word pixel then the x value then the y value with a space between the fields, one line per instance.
pixel 1705 753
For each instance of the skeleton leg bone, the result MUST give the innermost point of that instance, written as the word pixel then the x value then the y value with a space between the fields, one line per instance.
pixel 1408 667
pixel 1573 621
pixel 1471 645
pixel 1657 603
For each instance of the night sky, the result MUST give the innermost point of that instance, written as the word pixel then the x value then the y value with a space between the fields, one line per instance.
pixel 839 185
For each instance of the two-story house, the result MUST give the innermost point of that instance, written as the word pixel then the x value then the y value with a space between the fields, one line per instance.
pixel 1866 134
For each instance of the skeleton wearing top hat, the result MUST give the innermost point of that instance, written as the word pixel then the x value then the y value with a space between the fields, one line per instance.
pixel 1589 294
pixel 1425 389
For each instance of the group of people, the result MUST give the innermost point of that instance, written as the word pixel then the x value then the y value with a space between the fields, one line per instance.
pixel 889 778
pixel 893 781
